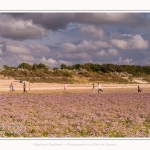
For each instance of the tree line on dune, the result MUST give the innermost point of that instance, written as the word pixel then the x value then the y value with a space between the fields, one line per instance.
pixel 135 70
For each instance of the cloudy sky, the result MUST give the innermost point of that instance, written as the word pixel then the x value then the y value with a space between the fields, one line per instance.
pixel 71 38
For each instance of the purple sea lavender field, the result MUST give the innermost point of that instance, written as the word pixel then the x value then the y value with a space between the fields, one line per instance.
pixel 75 115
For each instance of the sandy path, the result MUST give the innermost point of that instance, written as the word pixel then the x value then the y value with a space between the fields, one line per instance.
pixel 71 88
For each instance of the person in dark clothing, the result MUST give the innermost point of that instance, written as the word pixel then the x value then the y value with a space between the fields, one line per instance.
pixel 24 88
pixel 139 89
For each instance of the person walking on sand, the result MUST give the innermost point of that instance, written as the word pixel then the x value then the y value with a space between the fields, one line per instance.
pixel 24 87
pixel 11 87
pixel 93 89
pixel 65 87
pixel 139 89
pixel 99 88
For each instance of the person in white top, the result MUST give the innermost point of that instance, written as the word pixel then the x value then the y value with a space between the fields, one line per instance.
pixel 11 87
pixel 99 88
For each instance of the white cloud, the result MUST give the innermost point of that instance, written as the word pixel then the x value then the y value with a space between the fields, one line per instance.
pixel 53 63
pixel 82 55
pixel 111 52
pixel 126 35
pixel 68 63
pixel 47 61
pixel 39 49
pixel 126 61
pixel 17 50
pixel 134 42
pixel 68 47
pixel 139 43
pixel 102 53
pixel 87 46
pixel 26 58
pixel 120 43
pixel 84 46
pixel 92 31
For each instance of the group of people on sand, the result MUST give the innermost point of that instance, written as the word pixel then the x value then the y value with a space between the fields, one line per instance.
pixel 93 89
pixel 65 88
pixel 11 87
pixel 99 88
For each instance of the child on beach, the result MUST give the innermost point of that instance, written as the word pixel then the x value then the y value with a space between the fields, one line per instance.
pixel 65 87
pixel 93 89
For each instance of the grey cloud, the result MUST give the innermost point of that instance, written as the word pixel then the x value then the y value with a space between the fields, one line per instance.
pixel 55 21
pixel 19 29
pixel 51 21
pixel 39 50
pixel 11 47
pixel 92 31
pixel 145 61
pixel 103 40
pixel 17 48
pixel 14 53
pixel 129 19
pixel 0 52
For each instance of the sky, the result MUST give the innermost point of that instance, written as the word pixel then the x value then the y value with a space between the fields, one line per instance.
pixel 73 37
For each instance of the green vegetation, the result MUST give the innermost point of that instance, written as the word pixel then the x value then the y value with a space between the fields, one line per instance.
pixel 77 73
pixel 107 68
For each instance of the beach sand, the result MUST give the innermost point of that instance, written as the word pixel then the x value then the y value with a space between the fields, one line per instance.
pixel 71 88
